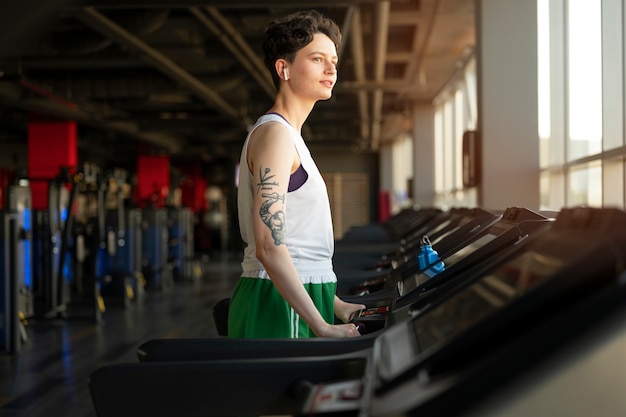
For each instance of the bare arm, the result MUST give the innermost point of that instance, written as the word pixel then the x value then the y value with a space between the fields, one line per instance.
pixel 272 157
pixel 344 310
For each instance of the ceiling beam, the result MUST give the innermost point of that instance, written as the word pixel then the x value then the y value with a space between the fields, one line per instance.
pixel 184 4
pixel 388 86
pixel 416 65
pixel 358 55
pixel 46 103
pixel 234 42
pixel 60 111
pixel 382 25
pixel 99 22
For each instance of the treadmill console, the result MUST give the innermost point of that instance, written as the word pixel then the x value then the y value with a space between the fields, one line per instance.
pixel 414 361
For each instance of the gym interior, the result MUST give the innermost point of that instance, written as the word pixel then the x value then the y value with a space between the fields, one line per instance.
pixel 476 179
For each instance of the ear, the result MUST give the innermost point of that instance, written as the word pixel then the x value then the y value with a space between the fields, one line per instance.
pixel 281 69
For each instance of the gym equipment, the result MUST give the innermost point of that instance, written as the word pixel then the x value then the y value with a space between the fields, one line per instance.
pixel 447 235
pixel 357 257
pixel 12 332
pixel 417 287
pixel 180 242
pixel 458 350
pixel 384 307
pixel 155 267
pixel 449 354
pixel 392 230
pixel 120 258
pixel 19 201
pixel 51 234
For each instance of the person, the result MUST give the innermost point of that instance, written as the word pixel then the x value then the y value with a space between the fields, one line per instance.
pixel 287 288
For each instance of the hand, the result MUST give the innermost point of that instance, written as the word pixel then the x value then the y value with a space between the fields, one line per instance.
pixel 344 311
pixel 339 330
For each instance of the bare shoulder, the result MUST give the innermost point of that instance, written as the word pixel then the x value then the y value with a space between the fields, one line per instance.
pixel 272 136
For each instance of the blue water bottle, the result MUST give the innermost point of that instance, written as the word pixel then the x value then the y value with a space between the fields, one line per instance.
pixel 428 259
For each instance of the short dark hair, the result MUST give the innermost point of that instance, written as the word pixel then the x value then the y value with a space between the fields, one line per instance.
pixel 287 35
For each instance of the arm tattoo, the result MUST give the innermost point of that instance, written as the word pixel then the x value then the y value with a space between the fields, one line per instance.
pixel 274 220
pixel 264 180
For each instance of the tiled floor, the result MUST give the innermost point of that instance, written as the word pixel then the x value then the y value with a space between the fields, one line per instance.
pixel 49 376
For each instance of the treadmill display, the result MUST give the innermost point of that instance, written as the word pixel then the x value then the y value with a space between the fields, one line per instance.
pixel 464 310
pixel 482 299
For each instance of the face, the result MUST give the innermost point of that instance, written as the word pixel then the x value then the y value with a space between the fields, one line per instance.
pixel 314 70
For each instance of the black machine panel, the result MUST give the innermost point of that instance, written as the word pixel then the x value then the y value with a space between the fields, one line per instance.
pixel 448 343
pixel 515 225
pixel 462 311
pixel 466 226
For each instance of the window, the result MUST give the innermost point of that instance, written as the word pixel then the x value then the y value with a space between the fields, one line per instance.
pixel 585 185
pixel 581 102
pixel 584 76
pixel 455 113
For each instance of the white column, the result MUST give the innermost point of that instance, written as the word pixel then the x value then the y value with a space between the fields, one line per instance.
pixel 424 156
pixel 507 103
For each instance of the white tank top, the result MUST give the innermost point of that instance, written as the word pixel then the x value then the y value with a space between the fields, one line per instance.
pixel 309 229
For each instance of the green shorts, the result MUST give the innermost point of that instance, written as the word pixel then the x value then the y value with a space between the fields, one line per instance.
pixel 257 310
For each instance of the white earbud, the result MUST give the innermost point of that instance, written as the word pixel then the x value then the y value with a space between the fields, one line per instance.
pixel 285 74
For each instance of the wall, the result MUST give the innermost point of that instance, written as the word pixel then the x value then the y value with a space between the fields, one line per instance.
pixel 334 160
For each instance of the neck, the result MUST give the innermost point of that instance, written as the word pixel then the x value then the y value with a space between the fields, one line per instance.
pixel 295 112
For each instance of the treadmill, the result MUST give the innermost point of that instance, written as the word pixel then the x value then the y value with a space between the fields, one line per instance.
pixel 381 262
pixel 362 253
pixel 451 248
pixel 383 307
pixel 446 235
pixel 456 352
pixel 394 302
pixel 448 355
pixel 352 265
pixel 392 230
